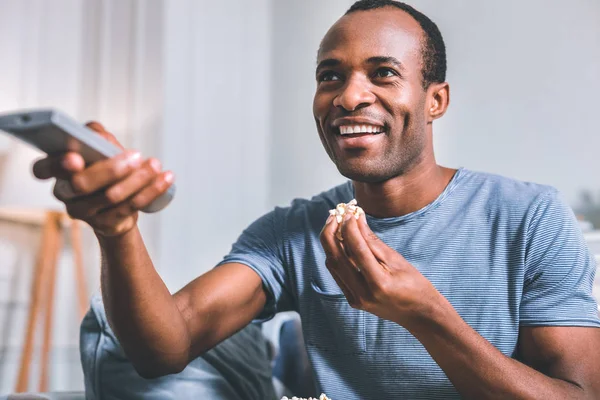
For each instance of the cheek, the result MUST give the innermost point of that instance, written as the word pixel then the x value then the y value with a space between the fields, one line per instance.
pixel 408 107
pixel 318 106
pixel 322 103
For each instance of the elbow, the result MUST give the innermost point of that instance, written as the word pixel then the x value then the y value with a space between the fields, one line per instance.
pixel 156 364
pixel 158 369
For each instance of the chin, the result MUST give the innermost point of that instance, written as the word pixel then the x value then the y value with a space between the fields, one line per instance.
pixel 363 174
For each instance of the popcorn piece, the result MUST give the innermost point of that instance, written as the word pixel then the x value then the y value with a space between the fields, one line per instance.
pixel 343 208
pixel 322 397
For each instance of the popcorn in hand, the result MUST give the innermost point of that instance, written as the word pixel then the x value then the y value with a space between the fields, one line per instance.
pixel 322 397
pixel 341 209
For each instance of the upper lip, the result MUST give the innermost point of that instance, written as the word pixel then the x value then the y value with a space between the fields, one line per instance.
pixel 355 121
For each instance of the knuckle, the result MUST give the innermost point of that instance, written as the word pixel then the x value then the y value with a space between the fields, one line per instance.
pixel 79 184
pixel 136 203
pixel 159 186
pixel 378 293
pixel 114 195
pixel 147 176
pixel 147 172
pixel 381 287
pixel 155 164
pixel 123 211
pixel 372 237
pixel 115 169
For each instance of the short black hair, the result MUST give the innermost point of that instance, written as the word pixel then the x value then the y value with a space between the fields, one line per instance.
pixel 434 49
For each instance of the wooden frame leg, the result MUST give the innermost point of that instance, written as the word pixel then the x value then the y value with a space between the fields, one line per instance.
pixel 76 244
pixel 39 278
pixel 49 306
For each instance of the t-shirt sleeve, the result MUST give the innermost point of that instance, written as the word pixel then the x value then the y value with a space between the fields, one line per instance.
pixel 559 268
pixel 260 247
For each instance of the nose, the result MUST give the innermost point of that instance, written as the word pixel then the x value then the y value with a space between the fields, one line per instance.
pixel 355 94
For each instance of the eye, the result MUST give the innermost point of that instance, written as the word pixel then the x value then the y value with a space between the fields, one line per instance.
pixel 328 76
pixel 385 73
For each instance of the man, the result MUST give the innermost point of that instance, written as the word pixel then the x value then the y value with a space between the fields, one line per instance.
pixel 455 283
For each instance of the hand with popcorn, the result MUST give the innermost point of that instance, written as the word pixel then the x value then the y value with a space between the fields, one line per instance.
pixel 374 277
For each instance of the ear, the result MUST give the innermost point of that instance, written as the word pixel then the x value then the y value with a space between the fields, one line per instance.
pixel 438 100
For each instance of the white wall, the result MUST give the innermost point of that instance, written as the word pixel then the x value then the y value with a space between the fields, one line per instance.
pixel 299 165
pixel 216 130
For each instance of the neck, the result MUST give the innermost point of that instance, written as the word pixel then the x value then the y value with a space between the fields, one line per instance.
pixel 403 194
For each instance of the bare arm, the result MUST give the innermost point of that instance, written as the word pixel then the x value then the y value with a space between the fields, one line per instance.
pixel 161 333
pixel 558 362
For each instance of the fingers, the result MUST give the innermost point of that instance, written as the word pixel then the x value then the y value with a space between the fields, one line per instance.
pixel 109 218
pixel 63 190
pixel 151 192
pixel 58 166
pixel 63 166
pixel 105 173
pixel 342 269
pixel 357 248
pixel 126 197
pixel 327 237
pixel 378 248
pixel 159 185
pixel 350 296
pixel 134 182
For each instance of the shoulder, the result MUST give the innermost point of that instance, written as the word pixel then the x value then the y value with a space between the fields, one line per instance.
pixel 501 192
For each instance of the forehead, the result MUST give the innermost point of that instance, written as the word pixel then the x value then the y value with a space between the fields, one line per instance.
pixel 386 31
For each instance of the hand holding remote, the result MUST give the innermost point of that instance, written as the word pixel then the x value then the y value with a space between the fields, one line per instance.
pixel 108 193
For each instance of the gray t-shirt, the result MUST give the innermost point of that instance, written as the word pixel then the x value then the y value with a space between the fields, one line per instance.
pixel 504 253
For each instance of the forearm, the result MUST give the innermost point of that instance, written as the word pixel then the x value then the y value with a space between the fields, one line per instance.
pixel 139 307
pixel 476 368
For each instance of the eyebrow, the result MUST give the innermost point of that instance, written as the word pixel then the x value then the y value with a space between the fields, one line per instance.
pixel 332 62
pixel 386 60
pixel 329 62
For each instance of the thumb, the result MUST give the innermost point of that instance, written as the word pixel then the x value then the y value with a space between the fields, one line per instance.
pixel 101 131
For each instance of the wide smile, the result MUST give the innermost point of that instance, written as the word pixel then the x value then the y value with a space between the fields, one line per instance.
pixel 349 130
pixel 358 135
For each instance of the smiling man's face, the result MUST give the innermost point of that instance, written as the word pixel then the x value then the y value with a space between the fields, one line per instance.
pixel 370 104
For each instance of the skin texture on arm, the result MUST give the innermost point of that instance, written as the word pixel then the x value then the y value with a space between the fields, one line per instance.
pixel 557 362
pixel 161 333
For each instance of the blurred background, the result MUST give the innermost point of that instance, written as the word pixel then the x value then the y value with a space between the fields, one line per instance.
pixel 221 92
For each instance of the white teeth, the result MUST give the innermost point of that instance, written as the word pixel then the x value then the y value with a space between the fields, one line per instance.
pixel 350 129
